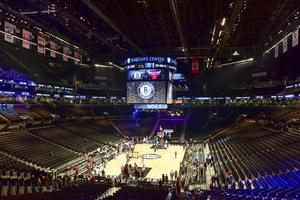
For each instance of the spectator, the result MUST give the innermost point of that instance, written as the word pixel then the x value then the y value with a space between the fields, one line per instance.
pixel 188 195
pixel 169 196
pixel 171 175
pixel 167 179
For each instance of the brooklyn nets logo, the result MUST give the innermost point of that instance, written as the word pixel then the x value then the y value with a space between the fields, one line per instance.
pixel 145 90
pixel 151 156
pixel 137 75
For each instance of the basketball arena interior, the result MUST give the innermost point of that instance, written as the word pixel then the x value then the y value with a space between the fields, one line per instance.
pixel 149 99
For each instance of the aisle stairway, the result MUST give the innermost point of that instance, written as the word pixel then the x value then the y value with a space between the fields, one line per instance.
pixel 109 192
pixel 210 170
pixel 186 118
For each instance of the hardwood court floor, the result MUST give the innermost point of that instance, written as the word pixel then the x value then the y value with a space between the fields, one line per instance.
pixel 159 166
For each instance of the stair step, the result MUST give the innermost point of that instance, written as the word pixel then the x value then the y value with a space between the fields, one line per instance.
pixel 109 192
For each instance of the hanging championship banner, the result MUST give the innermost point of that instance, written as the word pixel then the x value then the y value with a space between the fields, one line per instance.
pixel 26 35
pixel 41 43
pixel 65 53
pixel 285 45
pixel 276 51
pixel 195 66
pixel 295 40
pixel 9 30
pixel 76 57
pixel 70 52
pixel 52 49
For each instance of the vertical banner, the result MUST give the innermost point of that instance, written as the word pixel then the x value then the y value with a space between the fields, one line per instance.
pixel 66 51
pixel 295 40
pixel 52 49
pixel 26 35
pixel 76 58
pixel 9 30
pixel 285 45
pixel 70 52
pixel 195 66
pixel 276 51
pixel 41 43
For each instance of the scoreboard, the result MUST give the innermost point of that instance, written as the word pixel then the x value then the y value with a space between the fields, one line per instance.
pixel 149 80
pixel 147 74
pixel 146 92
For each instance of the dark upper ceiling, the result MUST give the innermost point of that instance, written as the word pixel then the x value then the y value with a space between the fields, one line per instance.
pixel 119 28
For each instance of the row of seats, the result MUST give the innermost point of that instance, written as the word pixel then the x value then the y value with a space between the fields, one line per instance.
pixel 264 163
pixel 27 112
pixel 239 154
pixel 19 114
pixel 139 125
pixel 67 139
pixel 100 131
pixel 204 121
pixel 45 112
pixel 136 193
pixel 86 191
pixel 23 145
pixel 277 186
pixel 128 127
pixel 11 115
pixel 14 183
pixel 8 163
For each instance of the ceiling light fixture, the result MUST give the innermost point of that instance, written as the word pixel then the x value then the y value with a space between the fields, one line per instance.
pixel 237 62
pixel 223 21
pixel 235 53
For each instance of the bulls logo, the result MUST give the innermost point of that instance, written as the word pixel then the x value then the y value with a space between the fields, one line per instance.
pixel 153 74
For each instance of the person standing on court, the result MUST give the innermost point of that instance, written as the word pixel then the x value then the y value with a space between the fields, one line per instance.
pixel 171 175
pixel 167 179
pixel 175 174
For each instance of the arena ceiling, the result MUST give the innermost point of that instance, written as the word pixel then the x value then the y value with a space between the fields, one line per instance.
pixel 179 28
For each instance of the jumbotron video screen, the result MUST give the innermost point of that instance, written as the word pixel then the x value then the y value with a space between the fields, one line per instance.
pixel 149 80
pixel 146 92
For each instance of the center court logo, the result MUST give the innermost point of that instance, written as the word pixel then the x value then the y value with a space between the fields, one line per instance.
pixel 150 156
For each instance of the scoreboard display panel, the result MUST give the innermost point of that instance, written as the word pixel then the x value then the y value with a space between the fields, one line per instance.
pixel 146 74
pixel 149 80
pixel 146 92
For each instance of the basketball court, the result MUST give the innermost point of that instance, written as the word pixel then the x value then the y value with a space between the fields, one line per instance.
pixel 161 161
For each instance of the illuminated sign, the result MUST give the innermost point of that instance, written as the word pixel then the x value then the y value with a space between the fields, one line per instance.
pixel 151 59
pixel 178 77
pixel 147 74
pixel 151 106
